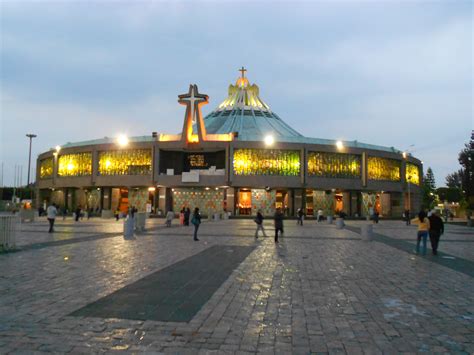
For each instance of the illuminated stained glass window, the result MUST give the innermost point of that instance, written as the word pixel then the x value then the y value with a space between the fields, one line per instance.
pixel 383 169
pixel 125 162
pixel 334 165
pixel 266 162
pixel 46 168
pixel 78 164
pixel 412 173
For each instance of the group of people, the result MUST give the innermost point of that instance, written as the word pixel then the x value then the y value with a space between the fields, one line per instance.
pixel 184 215
pixel 278 221
pixel 428 225
pixel 52 212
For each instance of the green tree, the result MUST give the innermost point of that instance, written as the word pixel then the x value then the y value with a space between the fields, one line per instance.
pixel 429 190
pixel 463 179
pixel 466 159
pixel 454 180
pixel 450 194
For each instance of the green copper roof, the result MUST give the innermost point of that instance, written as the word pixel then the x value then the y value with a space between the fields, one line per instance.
pixel 244 112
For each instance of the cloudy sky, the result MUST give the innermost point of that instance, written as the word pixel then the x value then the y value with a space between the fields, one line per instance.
pixel 392 73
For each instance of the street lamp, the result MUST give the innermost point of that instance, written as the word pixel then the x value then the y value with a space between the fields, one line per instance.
pixel 269 140
pixel 30 136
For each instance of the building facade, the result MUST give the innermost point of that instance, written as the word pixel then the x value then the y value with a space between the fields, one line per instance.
pixel 240 158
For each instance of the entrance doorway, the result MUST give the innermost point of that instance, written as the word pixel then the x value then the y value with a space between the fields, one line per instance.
pixel 338 202
pixel 120 200
pixel 282 200
pixel 245 202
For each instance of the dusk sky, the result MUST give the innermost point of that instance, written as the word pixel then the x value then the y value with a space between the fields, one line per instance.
pixel 391 73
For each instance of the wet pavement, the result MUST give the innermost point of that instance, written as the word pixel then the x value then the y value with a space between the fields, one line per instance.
pixel 320 290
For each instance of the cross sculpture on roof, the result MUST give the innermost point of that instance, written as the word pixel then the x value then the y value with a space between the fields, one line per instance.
pixel 193 101
pixel 243 70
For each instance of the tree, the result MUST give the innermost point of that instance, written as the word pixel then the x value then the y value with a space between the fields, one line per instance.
pixel 429 190
pixel 463 179
pixel 450 194
pixel 466 159
pixel 454 180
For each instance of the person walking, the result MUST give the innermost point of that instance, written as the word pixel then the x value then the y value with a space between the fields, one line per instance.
pixel 187 213
pixel 181 216
pixel 78 213
pixel 196 220
pixel 278 218
pixel 169 218
pixel 320 215
pixel 259 221
pixel 436 230
pixel 51 213
pixel 300 216
pixel 406 214
pixel 376 217
pixel 423 227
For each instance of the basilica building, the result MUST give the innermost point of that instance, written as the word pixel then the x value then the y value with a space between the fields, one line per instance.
pixel 240 158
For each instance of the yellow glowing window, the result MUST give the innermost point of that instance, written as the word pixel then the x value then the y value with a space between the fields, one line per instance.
pixel 46 168
pixel 78 164
pixel 412 173
pixel 334 165
pixel 266 162
pixel 383 169
pixel 125 162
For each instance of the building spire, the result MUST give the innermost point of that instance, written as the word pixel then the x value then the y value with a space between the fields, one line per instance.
pixel 243 70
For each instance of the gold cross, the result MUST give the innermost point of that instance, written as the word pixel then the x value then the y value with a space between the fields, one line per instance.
pixel 243 70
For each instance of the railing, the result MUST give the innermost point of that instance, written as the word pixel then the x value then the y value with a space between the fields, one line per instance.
pixel 9 226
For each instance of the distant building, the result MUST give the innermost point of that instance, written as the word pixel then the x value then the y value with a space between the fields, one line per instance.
pixel 240 158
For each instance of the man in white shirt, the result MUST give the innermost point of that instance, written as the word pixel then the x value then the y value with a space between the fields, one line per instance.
pixel 320 215
pixel 51 212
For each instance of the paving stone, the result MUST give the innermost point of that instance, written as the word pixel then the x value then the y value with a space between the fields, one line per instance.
pixel 320 290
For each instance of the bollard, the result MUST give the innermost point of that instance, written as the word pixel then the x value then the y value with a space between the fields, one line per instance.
pixel 128 226
pixel 9 225
pixel 339 223
pixel 217 216
pixel 329 219
pixel 366 231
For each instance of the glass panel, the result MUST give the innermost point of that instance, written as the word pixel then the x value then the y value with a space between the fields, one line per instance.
pixel 79 164
pixel 334 165
pixel 46 168
pixel 383 169
pixel 412 173
pixel 266 162
pixel 125 162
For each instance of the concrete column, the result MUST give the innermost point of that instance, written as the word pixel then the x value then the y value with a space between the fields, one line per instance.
pixel 162 199
pixel 298 201
pixel 95 166
pixel 230 162
pixel 230 194
pixel 346 202
pixel 155 161
pixel 364 169
pixel 303 166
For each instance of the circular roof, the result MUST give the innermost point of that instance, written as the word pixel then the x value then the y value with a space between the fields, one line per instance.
pixel 243 111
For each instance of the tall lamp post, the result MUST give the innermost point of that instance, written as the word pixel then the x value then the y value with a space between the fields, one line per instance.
pixel 30 136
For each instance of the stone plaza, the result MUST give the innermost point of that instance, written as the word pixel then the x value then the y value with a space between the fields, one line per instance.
pixel 86 289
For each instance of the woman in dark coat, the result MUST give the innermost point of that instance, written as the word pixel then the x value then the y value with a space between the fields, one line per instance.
pixel 278 218
pixel 196 221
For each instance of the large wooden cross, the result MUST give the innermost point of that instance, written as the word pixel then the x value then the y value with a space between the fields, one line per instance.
pixel 243 70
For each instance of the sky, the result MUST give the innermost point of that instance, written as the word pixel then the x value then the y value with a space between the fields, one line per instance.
pixel 391 73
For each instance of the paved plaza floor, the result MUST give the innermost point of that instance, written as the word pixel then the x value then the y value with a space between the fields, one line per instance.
pixel 85 289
